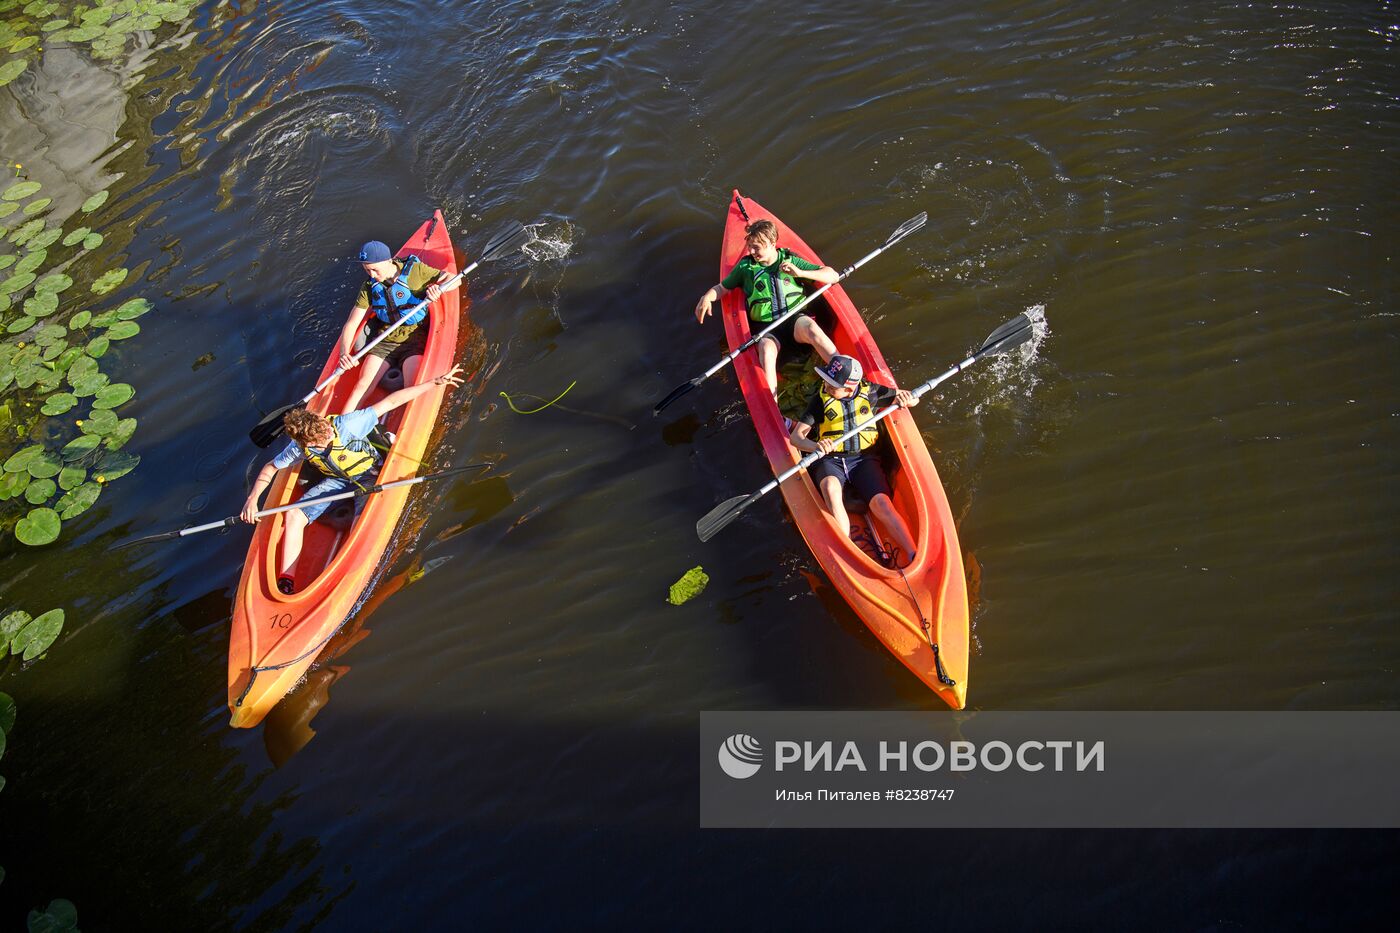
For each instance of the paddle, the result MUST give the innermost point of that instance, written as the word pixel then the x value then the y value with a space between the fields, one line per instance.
pixel 1006 337
pixel 906 228
pixel 348 494
pixel 506 242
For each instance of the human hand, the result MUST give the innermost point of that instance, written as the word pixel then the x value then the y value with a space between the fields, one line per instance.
pixel 702 307
pixel 788 267
pixel 826 445
pixel 905 399
pixel 347 361
pixel 250 510
pixel 434 291
pixel 450 378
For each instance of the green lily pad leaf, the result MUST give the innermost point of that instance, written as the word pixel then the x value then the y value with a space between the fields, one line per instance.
pixel 66 358
pixel 55 283
pixel 98 346
pixel 20 324
pixel 53 350
pixel 50 334
pixel 21 459
pixel 7 208
pixel 92 241
pixel 98 15
pixel 79 34
pixel 71 477
pixel 82 368
pixel 54 25
pixel 46 239
pixel 689 586
pixel 114 464
pixel 16 282
pixel 34 207
pixel 77 501
pixel 96 201
pixel 12 484
pixel 80 447
pixel 101 422
pixel 7 260
pixel 75 235
pixel 105 319
pixel 42 304
pixel 48 379
pixel 9 627
pixel 79 320
pixel 58 404
pixel 107 281
pixel 121 434
pixel 133 309
pixel 88 386
pixel 26 232
pixel 12 69
pixel 64 913
pixel 36 637
pixel 39 491
pixel 19 45
pixel 39 527
pixel 20 190
pixel 45 465
pixel 32 261
pixel 118 393
pixel 121 330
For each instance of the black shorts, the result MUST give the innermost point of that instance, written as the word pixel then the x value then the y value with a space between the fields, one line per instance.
pixel 784 333
pixel 864 472
pixel 401 344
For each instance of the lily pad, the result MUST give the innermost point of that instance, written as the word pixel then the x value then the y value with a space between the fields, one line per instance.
pixel 20 324
pixel 42 304
pixel 121 330
pixel 66 359
pixel 98 346
pixel 82 368
pixel 55 283
pixel 39 527
pixel 689 586
pixel 125 428
pixel 7 208
pixel 7 260
pixel 111 396
pixel 78 500
pixel 12 69
pixel 75 235
pixel 21 459
pixel 50 334
pixel 100 422
pixel 98 15
pixel 9 627
pixel 79 320
pixel 33 260
pixel 20 190
pixel 52 351
pixel 131 310
pixel 88 386
pixel 71 477
pixel 46 239
pixel 107 281
pixel 92 241
pixel 39 491
pixel 16 282
pixel 105 319
pixel 45 465
pixel 114 464
pixel 37 205
pixel 12 484
pixel 26 232
pixel 58 404
pixel 96 201
pixel 36 637
pixel 80 447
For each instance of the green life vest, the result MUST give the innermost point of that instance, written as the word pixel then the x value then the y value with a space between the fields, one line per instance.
pixel 772 292
pixel 840 415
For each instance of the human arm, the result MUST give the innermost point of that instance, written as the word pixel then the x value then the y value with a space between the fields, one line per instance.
pixel 349 332
pixel 402 397
pixel 800 268
pixel 883 395
pixel 707 300
pixel 264 479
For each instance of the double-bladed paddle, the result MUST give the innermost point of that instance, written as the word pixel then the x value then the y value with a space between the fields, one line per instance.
pixel 1008 336
pixel 348 494
pixel 503 244
pixel 906 228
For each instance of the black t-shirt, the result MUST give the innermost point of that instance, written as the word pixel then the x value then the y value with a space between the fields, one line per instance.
pixel 880 396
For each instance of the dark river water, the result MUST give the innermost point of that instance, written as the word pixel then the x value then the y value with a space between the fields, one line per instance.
pixel 1186 498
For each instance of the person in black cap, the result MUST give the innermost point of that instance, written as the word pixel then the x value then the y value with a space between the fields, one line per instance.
pixel 394 286
pixel 842 401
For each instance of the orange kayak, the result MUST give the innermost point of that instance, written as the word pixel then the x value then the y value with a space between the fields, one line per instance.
pixel 274 638
pixel 924 606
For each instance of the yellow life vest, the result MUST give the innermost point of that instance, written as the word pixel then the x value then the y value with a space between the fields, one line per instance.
pixel 840 415
pixel 339 459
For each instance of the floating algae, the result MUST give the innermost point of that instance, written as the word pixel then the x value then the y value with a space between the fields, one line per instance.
pixel 689 586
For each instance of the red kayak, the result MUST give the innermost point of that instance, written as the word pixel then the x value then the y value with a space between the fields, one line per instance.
pixel 911 611
pixel 276 637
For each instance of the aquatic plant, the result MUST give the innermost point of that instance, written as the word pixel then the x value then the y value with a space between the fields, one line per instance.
pixel 691 584
pixel 57 457
pixel 103 29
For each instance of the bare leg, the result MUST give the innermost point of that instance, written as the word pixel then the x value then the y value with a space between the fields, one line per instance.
pixel 291 540
pixel 836 503
pixel 809 333
pixel 410 368
pixel 894 523
pixel 768 358
pixel 372 369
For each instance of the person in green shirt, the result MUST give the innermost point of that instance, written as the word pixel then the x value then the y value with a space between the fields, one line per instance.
pixel 769 277
pixel 394 286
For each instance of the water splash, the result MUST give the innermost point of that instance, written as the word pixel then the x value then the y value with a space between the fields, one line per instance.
pixel 1016 374
pixel 549 242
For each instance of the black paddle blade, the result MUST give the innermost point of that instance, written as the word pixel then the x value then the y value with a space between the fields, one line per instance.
pixel 149 539
pixel 1008 336
pixel 507 241
pixel 270 428
pixel 676 393
pixel 908 227
pixel 721 515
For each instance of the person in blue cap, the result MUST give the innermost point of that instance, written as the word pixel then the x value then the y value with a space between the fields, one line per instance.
pixel 394 286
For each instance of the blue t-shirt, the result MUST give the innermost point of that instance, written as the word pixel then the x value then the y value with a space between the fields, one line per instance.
pixel 354 426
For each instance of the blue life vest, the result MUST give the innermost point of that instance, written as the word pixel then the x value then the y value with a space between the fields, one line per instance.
pixel 389 301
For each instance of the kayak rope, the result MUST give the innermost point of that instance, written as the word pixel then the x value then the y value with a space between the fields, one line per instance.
pixel 511 403
pixel 943 677
pixel 253 672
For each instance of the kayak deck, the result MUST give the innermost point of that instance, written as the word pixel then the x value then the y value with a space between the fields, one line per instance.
pixel 911 610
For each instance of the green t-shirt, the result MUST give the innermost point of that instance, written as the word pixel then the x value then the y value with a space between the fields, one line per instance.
pixel 419 278
pixel 758 279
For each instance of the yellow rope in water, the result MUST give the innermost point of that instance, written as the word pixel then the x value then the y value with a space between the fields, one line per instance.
pixel 511 403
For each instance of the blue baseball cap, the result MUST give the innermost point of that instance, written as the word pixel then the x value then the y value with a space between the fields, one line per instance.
pixel 841 372
pixel 375 251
